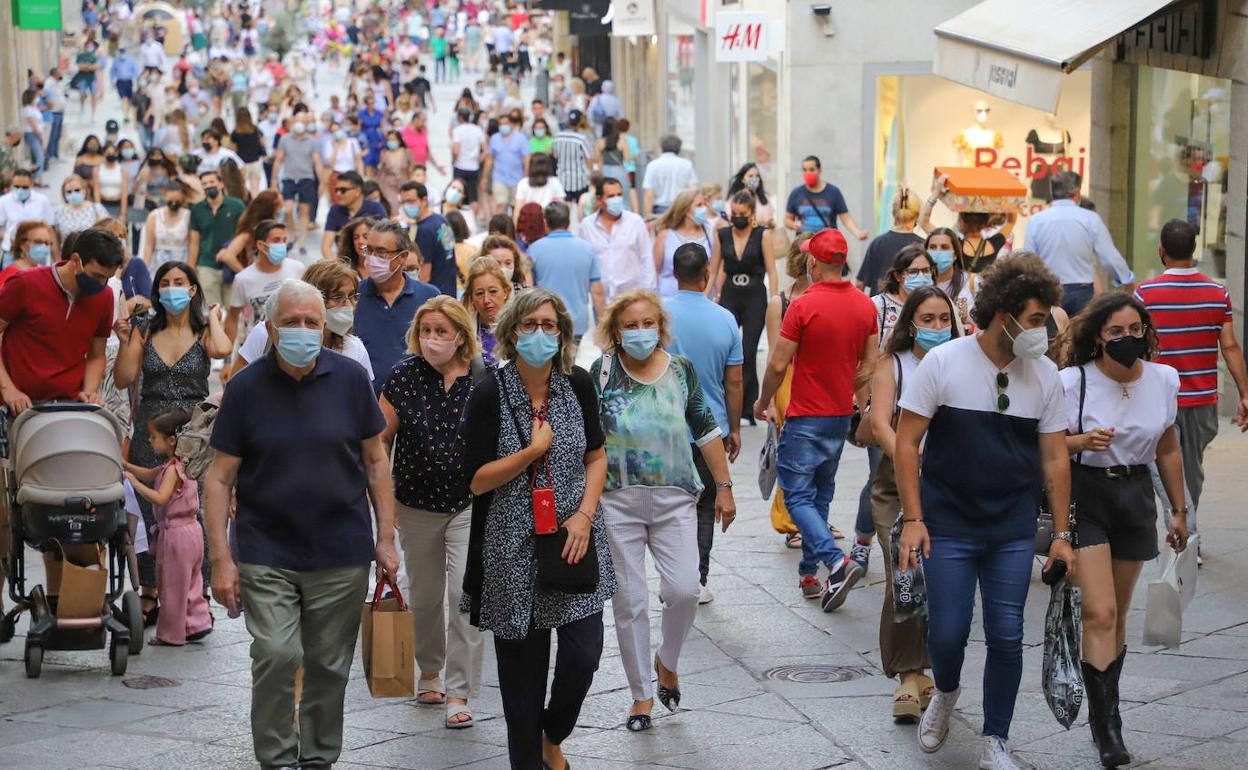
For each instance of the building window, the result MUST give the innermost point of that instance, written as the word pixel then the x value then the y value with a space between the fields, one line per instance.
pixel 1181 126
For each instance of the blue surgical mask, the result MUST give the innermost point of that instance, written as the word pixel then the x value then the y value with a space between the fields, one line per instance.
pixel 942 259
pixel 22 193
pixel 411 210
pixel 299 347
pixel 699 215
pixel 75 198
pixel 281 215
pixel 639 343
pixel 340 135
pixel 539 132
pixel 537 347
pixel 453 195
pixel 718 206
pixel 930 338
pixel 615 205
pixel 913 282
pixel 39 253
pixel 175 298
pixel 392 144
pixel 87 285
pixel 127 153
pixel 504 130
pixel 277 252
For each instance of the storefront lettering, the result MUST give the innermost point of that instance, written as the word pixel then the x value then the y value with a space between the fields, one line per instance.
pixel 1001 75
pixel 737 39
pixel 1186 29
pixel 1034 166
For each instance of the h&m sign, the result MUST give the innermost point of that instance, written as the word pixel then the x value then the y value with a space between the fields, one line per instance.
pixel 742 37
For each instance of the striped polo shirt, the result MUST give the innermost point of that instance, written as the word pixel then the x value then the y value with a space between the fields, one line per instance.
pixel 1189 310
pixel 572 150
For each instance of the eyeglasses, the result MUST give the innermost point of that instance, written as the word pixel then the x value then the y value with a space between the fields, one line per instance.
pixel 1003 398
pixel 1135 330
pixel 369 251
pixel 341 190
pixel 352 298
pixel 916 271
pixel 530 326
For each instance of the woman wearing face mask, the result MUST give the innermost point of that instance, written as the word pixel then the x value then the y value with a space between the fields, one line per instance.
pixel 453 203
pixel 688 220
pixel 171 359
pixel 352 242
pixel 342 154
pixel 486 291
pixel 166 229
pixel 749 178
pixel 748 257
pixel 926 321
pixel 394 169
pixel 80 211
pixel 340 286
pixel 541 186
pixel 111 184
pixel 542 141
pixel 33 246
pixel 90 155
pixel 978 251
pixel 1121 409
pixel 650 403
pixel 539 412
pixel 942 246
pixel 130 160
pixel 611 156
pixel 425 401
pixel 505 250
pixel 911 270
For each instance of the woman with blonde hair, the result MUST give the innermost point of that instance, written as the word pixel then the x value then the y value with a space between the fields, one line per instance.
pixel 507 252
pixel 486 290
pixel 650 403
pixel 80 210
pixel 882 251
pixel 425 402
pixel 686 221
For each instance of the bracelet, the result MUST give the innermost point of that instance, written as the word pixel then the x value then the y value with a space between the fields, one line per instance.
pixel 1178 511
pixel 586 515
pixel 911 521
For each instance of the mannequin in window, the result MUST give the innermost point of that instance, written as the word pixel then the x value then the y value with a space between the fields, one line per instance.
pixel 976 136
pixel 1048 142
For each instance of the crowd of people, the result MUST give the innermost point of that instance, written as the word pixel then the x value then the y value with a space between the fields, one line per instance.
pixel 422 359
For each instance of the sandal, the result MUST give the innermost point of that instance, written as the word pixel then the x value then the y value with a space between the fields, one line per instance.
pixel 926 688
pixel 639 722
pixel 793 540
pixel 906 707
pixel 431 692
pixel 456 709
pixel 156 641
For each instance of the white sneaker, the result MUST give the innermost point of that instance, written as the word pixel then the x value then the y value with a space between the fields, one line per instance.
pixel 705 596
pixel 934 726
pixel 997 756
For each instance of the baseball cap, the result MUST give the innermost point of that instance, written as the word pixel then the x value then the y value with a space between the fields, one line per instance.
pixel 111 127
pixel 827 246
pixel 574 117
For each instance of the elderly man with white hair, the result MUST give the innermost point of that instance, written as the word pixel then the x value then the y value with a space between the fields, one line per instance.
pixel 298 436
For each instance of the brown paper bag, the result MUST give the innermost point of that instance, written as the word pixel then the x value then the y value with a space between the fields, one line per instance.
pixel 388 649
pixel 84 582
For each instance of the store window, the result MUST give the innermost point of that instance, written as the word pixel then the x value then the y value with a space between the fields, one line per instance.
pixel 681 63
pixel 1182 125
pixel 761 126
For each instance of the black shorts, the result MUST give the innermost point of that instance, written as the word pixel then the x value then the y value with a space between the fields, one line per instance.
pixel 1121 511
pixel 125 89
pixel 471 180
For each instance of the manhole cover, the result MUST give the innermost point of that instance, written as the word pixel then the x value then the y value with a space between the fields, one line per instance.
pixel 818 674
pixel 149 682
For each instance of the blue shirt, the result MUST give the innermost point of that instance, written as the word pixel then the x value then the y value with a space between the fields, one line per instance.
pixel 708 336
pixel 567 266
pixel 817 210
pixel 1066 237
pixel 436 241
pixel 509 153
pixel 302 484
pixel 124 68
pixel 383 328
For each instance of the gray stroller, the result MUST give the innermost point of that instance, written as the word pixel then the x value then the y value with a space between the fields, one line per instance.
pixel 62 466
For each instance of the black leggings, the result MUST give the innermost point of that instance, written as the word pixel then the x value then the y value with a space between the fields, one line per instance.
pixel 748 304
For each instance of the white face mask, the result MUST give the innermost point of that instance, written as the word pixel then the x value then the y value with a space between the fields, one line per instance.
pixel 340 319
pixel 508 270
pixel 1030 343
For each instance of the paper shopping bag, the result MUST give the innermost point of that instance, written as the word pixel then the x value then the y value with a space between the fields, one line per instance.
pixel 388 646
pixel 1168 596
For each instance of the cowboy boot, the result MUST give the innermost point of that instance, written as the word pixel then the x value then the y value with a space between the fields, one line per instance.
pixel 1115 675
pixel 1108 738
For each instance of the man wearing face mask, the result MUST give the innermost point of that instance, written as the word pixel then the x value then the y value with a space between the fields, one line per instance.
pixel 22 203
pixel 257 282
pixel 434 239
pixel 621 240
pixel 282 435
pixel 991 412
pixel 815 204
pixel 297 164
pixel 389 298
pixel 212 154
pixel 508 160
pixel 349 193
pixel 214 221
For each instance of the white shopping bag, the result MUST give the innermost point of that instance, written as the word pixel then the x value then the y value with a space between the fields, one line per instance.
pixel 1169 595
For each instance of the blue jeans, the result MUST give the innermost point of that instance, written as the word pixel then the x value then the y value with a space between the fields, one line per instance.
pixel 864 525
pixel 806 462
pixel 1075 297
pixel 1003 570
pixel 34 143
pixel 54 136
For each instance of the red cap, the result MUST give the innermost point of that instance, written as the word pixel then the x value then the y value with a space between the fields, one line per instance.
pixel 827 246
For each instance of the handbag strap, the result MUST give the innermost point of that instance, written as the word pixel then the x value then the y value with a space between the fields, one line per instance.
pixel 1083 392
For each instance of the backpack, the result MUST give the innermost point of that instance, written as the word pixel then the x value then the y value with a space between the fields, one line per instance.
pixel 193 448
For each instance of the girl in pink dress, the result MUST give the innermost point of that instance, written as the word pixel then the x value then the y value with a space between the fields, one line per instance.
pixel 177 537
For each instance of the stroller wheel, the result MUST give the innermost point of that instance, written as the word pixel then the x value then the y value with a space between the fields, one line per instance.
pixel 8 626
pixel 118 655
pixel 132 612
pixel 34 661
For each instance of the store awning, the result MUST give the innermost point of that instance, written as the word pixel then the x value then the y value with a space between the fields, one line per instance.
pixel 1020 49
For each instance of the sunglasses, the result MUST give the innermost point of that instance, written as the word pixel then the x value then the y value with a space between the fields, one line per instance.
pixel 341 190
pixel 1003 398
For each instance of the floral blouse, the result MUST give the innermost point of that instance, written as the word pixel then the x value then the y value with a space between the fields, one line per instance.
pixel 500 581
pixel 429 471
pixel 648 425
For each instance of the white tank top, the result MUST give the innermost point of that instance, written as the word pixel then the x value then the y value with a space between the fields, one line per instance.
pixel 171 233
pixel 110 182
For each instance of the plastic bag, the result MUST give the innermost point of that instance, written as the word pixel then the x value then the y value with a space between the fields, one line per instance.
pixel 909 587
pixel 767 463
pixel 1061 675
pixel 1169 595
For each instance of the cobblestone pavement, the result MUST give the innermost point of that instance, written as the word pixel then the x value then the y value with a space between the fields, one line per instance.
pixel 747 701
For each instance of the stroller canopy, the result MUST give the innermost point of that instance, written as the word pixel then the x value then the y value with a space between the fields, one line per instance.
pixel 64 451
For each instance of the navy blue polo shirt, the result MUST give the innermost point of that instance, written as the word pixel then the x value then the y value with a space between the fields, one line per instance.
pixel 302 485
pixel 383 328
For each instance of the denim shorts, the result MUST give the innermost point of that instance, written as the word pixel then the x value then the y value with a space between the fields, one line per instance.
pixel 1119 511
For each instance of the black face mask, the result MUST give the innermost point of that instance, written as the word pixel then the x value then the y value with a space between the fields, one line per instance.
pixel 212 192
pixel 208 147
pixel 740 222
pixel 1126 350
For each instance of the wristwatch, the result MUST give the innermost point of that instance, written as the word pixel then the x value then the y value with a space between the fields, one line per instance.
pixel 1067 536
pixel 723 485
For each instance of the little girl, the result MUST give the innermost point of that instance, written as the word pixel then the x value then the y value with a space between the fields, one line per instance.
pixel 177 536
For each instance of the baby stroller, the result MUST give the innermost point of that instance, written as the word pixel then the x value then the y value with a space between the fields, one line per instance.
pixel 62 465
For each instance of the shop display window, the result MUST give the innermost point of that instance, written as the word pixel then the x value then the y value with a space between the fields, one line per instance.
pixel 681 65
pixel 762 121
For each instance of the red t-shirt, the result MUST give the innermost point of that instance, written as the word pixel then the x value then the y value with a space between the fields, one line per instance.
pixel 1188 310
pixel 9 272
pixel 47 339
pixel 830 322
